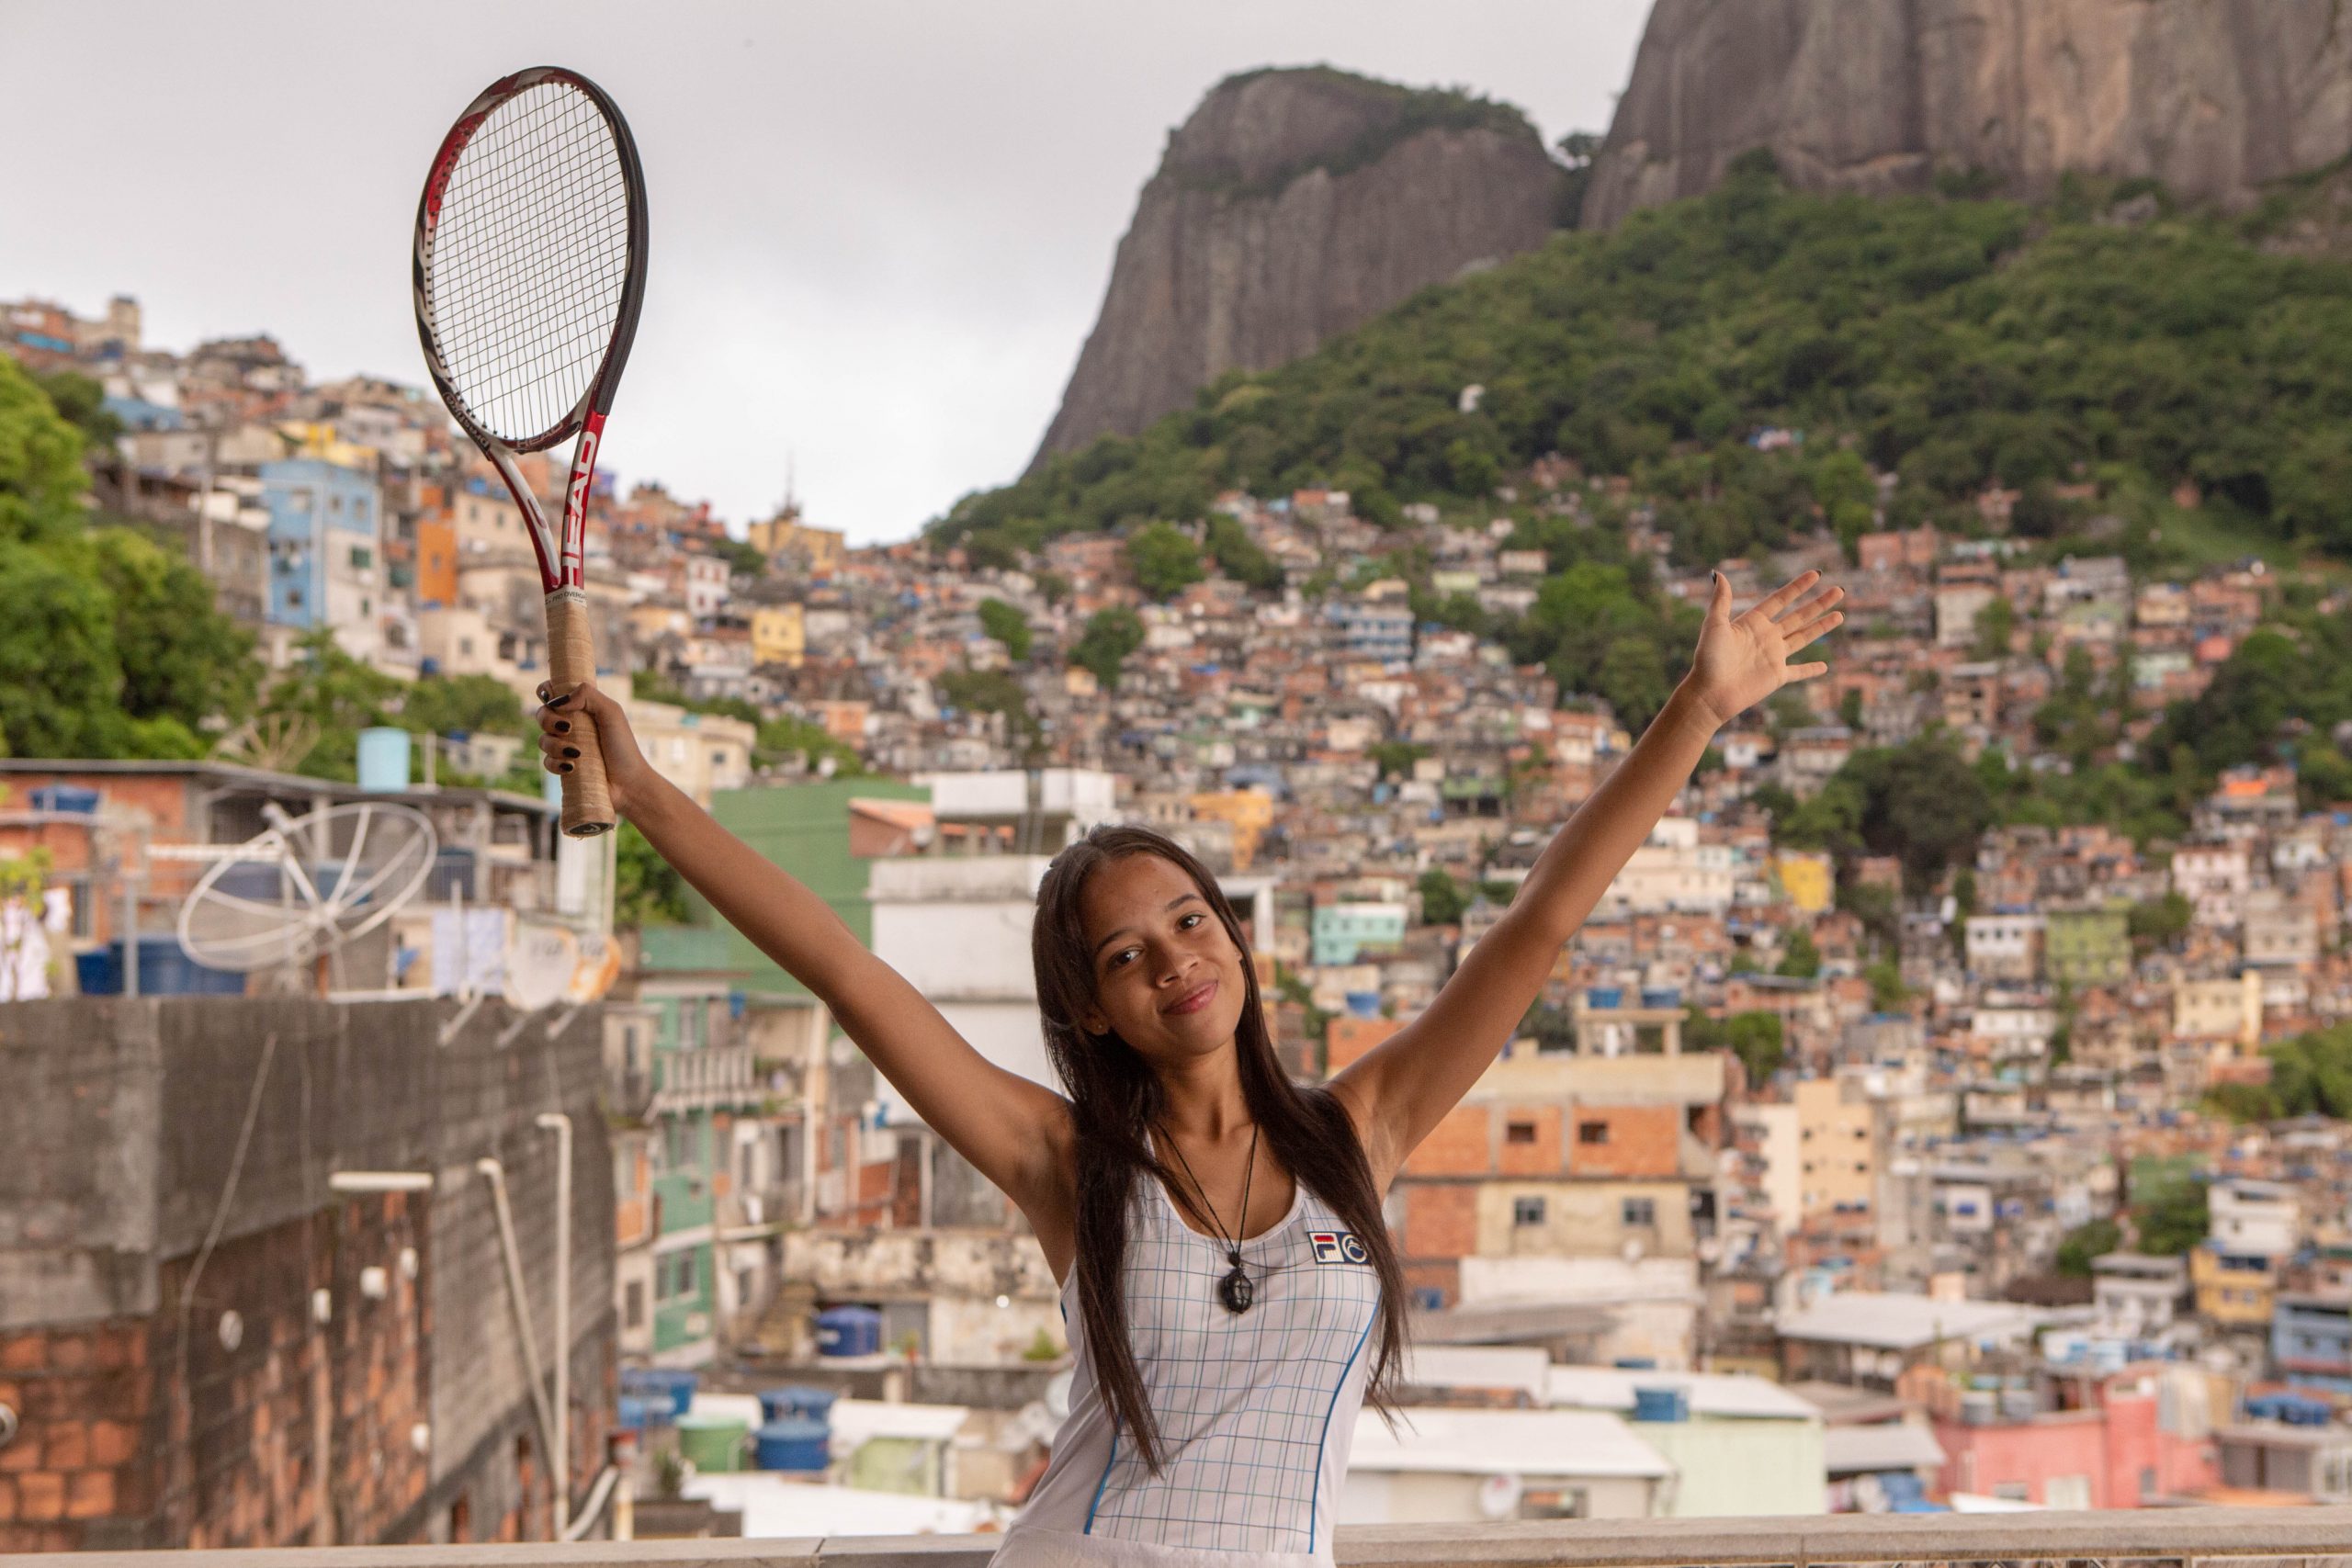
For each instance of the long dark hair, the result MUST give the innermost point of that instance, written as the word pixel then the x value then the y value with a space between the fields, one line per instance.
pixel 1115 1096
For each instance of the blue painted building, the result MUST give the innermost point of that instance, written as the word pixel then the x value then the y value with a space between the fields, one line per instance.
pixel 325 551
pixel 2311 1341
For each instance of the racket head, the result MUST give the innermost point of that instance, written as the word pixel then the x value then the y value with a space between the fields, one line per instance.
pixel 529 259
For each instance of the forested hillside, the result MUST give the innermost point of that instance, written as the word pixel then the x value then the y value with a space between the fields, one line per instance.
pixel 1956 343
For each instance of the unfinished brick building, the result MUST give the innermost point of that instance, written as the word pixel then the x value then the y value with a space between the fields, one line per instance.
pixel 206 1340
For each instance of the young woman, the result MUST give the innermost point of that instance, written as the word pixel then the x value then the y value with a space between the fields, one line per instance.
pixel 1230 1289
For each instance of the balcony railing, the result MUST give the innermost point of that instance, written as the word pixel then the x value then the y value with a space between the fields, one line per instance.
pixel 2145 1538
pixel 716 1075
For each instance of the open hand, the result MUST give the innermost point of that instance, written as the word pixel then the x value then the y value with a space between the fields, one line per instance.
pixel 1741 661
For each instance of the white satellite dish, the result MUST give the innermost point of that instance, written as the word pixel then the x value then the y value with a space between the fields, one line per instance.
pixel 1498 1496
pixel 307 886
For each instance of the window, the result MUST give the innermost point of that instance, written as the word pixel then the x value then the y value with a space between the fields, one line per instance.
pixel 1519 1133
pixel 2012 1492
pixel 362 559
pixel 1593 1132
pixel 633 1311
pixel 1640 1211
pixel 1527 1211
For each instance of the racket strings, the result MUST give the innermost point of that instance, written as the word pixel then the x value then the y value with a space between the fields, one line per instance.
pixel 521 316
pixel 529 261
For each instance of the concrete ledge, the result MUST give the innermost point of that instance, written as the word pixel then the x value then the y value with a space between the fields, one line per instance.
pixel 2176 1535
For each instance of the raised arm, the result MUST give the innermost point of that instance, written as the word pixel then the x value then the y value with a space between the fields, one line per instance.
pixel 1012 1130
pixel 1402 1088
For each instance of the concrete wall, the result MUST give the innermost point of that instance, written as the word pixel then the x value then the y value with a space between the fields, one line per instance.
pixel 1733 1468
pixel 134 1187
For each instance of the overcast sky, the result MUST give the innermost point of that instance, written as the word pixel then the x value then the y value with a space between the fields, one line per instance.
pixel 880 229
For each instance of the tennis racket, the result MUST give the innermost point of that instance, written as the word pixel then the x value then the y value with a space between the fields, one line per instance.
pixel 530 268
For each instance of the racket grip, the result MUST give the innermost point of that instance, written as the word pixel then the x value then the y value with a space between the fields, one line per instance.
pixel 572 658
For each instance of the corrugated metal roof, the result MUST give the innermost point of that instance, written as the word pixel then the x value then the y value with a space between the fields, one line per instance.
pixel 1892 1445
pixel 1717 1395
pixel 1565 1443
pixel 1890 1321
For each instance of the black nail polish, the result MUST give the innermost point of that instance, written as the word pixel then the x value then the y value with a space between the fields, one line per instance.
pixel 572 751
pixel 563 728
pixel 563 767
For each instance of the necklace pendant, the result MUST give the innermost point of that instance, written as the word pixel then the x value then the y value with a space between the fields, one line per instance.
pixel 1236 1292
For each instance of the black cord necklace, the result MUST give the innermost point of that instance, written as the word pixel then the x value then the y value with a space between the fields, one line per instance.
pixel 1235 1289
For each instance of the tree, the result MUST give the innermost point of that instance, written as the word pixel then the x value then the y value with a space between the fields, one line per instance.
pixel 1802 960
pixel 41 464
pixel 338 693
pixel 2161 921
pixel 646 890
pixel 1110 635
pixel 1442 898
pixel 1238 556
pixel 1888 993
pixel 81 402
pixel 993 690
pixel 1754 1037
pixel 1054 588
pixel 1395 758
pixel 744 557
pixel 181 658
pixel 2174 1221
pixel 1008 626
pixel 110 647
pixel 780 739
pixel 464 705
pixel 1996 620
pixel 2084 1242
pixel 1164 559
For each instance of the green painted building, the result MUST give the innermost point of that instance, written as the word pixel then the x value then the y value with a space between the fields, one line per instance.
pixel 2087 947
pixel 697 981
pixel 806 829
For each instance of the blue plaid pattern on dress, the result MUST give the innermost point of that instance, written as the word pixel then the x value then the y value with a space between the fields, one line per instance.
pixel 1245 1403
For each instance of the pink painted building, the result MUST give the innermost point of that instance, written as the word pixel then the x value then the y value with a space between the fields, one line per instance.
pixel 2136 1442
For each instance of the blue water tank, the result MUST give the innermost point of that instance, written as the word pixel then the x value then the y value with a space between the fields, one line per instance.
pixel 671 1390
pixel 64 798
pixel 798 1400
pixel 1605 997
pixel 165 970
pixel 849 1331
pixel 640 1411
pixel 383 759
pixel 1661 1405
pixel 793 1443
pixel 1363 1004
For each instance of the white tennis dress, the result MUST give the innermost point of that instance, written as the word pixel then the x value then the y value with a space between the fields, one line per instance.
pixel 1256 1410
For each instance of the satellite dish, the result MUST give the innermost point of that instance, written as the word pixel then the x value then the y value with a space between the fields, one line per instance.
pixel 1498 1496
pixel 305 885
pixel 541 961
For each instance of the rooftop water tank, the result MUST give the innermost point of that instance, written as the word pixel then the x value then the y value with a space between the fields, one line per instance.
pixel 794 1443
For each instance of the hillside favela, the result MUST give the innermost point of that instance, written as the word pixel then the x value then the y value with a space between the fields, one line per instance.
pixel 1933 1146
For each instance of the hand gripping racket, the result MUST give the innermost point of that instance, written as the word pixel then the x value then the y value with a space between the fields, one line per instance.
pixel 530 267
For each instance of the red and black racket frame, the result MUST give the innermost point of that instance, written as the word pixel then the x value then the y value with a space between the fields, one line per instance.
pixel 586 418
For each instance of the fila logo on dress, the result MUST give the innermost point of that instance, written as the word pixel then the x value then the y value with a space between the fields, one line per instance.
pixel 1337 1247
